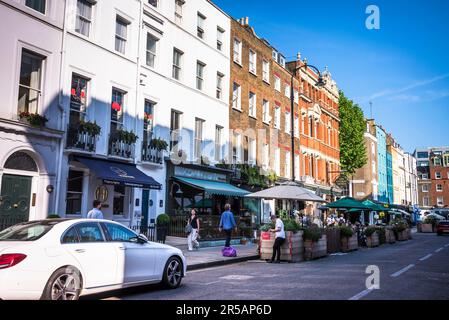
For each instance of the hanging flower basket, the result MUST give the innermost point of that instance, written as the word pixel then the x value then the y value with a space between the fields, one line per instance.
pixel 33 119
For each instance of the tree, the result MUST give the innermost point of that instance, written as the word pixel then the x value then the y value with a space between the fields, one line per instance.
pixel 352 128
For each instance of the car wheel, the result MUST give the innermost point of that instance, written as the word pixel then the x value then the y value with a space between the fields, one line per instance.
pixel 172 273
pixel 64 284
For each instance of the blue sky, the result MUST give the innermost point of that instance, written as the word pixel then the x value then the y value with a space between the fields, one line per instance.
pixel 403 68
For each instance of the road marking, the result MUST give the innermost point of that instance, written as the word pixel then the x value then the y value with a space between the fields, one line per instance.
pixel 208 283
pixel 237 277
pixel 440 249
pixel 426 257
pixel 447 245
pixel 361 294
pixel 397 274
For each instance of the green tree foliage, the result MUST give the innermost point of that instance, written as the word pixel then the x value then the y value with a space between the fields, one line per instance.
pixel 352 128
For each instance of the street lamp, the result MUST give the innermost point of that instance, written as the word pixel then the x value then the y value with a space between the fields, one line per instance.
pixel 321 82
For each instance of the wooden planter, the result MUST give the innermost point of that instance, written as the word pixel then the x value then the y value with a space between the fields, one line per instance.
pixel 409 233
pixel 349 244
pixel 333 240
pixel 389 236
pixel 292 249
pixel 373 240
pixel 315 250
pixel 427 228
pixel 402 236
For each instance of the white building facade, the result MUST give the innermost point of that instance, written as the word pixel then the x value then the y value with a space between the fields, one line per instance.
pixel 31 131
pixel 411 179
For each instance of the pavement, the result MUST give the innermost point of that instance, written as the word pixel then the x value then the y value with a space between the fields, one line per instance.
pixel 416 269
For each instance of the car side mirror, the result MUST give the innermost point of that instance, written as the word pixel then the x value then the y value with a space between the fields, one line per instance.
pixel 143 238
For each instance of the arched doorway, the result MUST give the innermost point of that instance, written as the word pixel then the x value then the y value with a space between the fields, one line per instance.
pixel 15 195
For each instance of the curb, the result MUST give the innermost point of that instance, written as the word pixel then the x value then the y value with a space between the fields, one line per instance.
pixel 206 265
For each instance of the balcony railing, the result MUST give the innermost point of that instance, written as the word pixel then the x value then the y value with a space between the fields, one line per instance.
pixel 80 140
pixel 120 148
pixel 151 154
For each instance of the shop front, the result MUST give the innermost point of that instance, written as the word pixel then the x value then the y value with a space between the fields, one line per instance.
pixel 208 189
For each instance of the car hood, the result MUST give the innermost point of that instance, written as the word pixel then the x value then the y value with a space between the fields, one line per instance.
pixel 10 245
pixel 164 246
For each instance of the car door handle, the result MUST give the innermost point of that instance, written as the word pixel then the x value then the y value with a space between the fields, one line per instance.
pixel 122 248
pixel 80 250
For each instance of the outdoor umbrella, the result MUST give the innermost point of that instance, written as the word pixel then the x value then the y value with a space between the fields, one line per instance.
pixel 287 192
pixel 348 203
pixel 374 206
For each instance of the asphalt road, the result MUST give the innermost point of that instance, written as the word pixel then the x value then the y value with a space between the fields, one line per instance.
pixel 416 269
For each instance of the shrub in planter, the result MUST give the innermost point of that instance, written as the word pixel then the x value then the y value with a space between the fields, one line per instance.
pixel 349 239
pixel 92 128
pixel 369 231
pixel 346 232
pixel 267 227
pixel 382 235
pixel 291 225
pixel 33 119
pixel 312 234
pixel 163 220
pixel 315 243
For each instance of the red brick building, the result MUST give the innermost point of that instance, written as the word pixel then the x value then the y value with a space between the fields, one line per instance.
pixel 439 177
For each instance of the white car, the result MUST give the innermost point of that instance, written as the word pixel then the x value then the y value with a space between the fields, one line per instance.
pixel 63 259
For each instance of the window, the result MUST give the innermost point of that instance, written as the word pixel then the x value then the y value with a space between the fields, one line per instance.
pixel 373 148
pixel 200 75
pixel 38 5
pixel 177 60
pixel 425 188
pixel 119 233
pixel 220 37
pixel 277 83
pixel 440 201
pixel 277 117
pixel 252 151
pixel 237 97
pixel 266 111
pixel 121 34
pixel 148 122
pixel 237 51
pixel 252 62
pixel 74 192
pixel 266 155
pixel 70 236
pixel 423 155
pixel 218 141
pixel 437 175
pixel 288 168
pixel 266 71
pixel 237 148
pixel 178 11
pixel 425 176
pixel 78 100
pixel 446 160
pixel 220 77
pixel 252 104
pixel 297 164
pixel 118 102
pixel 296 126
pixel 277 161
pixel 437 161
pixel 200 27
pixel 151 50
pixel 373 166
pixel 288 122
pixel 426 201
pixel 296 96
pixel 175 130
pixel 30 82
pixel 199 125
pixel 83 17
pixel 287 91
pixel 154 3
pixel 89 232
pixel 119 201
pixel 311 126
pixel 439 188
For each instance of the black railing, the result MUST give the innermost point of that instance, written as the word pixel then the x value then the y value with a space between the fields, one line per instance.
pixel 151 154
pixel 152 233
pixel 80 140
pixel 120 148
pixel 6 222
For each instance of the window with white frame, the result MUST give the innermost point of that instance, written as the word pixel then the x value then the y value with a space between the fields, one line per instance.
pixel 297 164
pixel 266 111
pixel 237 51
pixel 83 17
pixel 252 151
pixel 288 122
pixel 175 130
pixel 199 126
pixel 373 148
pixel 148 122
pixel 277 117
pixel 446 160
pixel 117 110
pixel 277 83
pixel 287 91
pixel 277 161
pixel 288 168
pixel 266 71
pixel 151 50
pixel 296 126
pixel 78 101
pixel 252 104
pixel 438 175
pixel 425 176
pixel 296 96
pixel 220 37
pixel 201 26
pixel 178 11
pixel 425 188
pixel 439 188
pixel 440 201
pixel 237 96
pixel 237 148
pixel 220 78
pixel 218 143
pixel 177 64
pixel 121 34
pixel 154 3
pixel 426 201
pixel 437 161
pixel 30 83
pixel 38 5
pixel 266 155
pixel 252 62
pixel 374 167
pixel 200 75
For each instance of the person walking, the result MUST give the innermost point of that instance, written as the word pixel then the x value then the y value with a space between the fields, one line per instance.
pixel 96 213
pixel 192 239
pixel 227 223
pixel 280 239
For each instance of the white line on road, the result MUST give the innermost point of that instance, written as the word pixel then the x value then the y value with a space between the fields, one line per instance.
pixel 426 257
pixel 447 245
pixel 440 249
pixel 397 274
pixel 361 294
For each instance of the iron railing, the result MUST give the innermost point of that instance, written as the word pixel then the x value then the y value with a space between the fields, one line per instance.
pixel 152 233
pixel 80 140
pixel 151 154
pixel 119 148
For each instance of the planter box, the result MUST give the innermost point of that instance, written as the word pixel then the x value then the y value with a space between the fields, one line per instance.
pixel 409 234
pixel 373 240
pixel 402 236
pixel 389 236
pixel 315 250
pixel 349 244
pixel 427 228
pixel 333 240
pixel 292 249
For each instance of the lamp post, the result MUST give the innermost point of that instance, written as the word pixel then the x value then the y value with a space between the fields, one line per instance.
pixel 320 84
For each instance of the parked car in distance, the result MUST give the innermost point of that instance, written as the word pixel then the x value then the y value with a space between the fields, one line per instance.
pixel 441 212
pixel 62 259
pixel 443 227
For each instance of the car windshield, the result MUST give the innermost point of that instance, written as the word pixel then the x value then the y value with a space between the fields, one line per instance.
pixel 29 231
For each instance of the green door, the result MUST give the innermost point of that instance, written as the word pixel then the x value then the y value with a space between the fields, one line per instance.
pixel 15 200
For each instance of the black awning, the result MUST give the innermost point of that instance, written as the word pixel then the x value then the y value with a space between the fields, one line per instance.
pixel 116 173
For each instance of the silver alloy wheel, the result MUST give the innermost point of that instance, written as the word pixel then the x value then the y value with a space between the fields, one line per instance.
pixel 64 288
pixel 174 273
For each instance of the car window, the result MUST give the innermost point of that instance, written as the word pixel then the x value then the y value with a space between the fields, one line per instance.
pixel 70 236
pixel 90 232
pixel 119 233
pixel 29 231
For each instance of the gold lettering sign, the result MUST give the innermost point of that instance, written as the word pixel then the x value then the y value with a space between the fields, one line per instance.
pixel 101 194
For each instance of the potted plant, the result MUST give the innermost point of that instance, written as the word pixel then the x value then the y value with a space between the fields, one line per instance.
pixel 429 225
pixel 315 243
pixel 389 235
pixel 400 229
pixel 382 234
pixel 34 119
pixel 91 128
pixel 162 224
pixel 159 144
pixel 349 241
pixel 372 237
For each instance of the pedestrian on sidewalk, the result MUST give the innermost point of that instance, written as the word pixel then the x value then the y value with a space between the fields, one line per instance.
pixel 192 240
pixel 280 239
pixel 227 223
pixel 96 213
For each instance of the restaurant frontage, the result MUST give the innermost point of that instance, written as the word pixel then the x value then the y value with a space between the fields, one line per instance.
pixel 207 189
